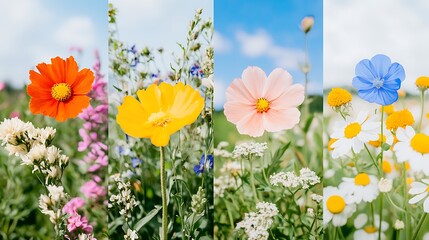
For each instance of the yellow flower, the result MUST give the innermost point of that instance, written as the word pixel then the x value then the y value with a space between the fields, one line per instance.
pixel 401 118
pixel 422 82
pixel 401 93
pixel 331 141
pixel 389 109
pixel 339 97
pixel 160 112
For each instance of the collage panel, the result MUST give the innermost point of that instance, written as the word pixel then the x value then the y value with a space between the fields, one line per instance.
pixel 268 120
pixel 160 124
pixel 376 120
pixel 53 112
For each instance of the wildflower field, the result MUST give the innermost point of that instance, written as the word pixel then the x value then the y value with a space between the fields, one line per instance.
pixel 375 167
pixel 53 171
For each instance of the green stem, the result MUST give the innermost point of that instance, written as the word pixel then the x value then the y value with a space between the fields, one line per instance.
pixel 405 194
pixel 423 110
pixel 163 194
pixel 420 224
pixel 393 204
pixel 373 160
pixel 381 161
pixel 252 182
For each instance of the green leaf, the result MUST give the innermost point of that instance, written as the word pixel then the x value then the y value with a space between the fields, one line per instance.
pixel 147 218
pixel 308 123
pixel 385 147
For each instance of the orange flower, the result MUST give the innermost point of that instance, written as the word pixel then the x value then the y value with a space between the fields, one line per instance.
pixel 59 90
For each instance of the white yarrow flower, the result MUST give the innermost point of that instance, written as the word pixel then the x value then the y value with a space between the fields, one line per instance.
pixel 385 185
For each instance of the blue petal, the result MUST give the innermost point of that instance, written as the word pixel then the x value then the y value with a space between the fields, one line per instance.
pixel 394 84
pixel 396 71
pixel 366 70
pixel 198 169
pixel 387 96
pixel 361 83
pixel 369 95
pixel 381 64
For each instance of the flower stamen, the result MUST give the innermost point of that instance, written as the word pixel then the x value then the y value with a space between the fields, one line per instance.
pixel 61 92
pixel 336 204
pixel 262 105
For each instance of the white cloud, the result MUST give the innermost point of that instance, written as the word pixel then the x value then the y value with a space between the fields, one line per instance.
pixel 76 31
pixel 354 30
pixel 260 44
pixel 221 43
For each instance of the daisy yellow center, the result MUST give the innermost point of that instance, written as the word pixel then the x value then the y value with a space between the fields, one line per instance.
pixel 61 92
pixel 389 109
pixel 409 180
pixel 336 204
pixel 352 130
pixel 386 166
pixel 362 179
pixel 159 119
pixel 370 229
pixel 422 82
pixel 331 141
pixel 427 189
pixel 399 166
pixel 262 105
pixel 420 143
pixel 339 97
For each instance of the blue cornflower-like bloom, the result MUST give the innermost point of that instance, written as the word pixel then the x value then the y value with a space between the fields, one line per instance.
pixel 204 163
pixel 196 71
pixel 135 162
pixel 378 80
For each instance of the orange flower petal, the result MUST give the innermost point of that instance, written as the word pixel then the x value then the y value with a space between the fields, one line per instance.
pixel 40 80
pixel 46 71
pixel 71 70
pixel 72 108
pixel 83 82
pixel 43 106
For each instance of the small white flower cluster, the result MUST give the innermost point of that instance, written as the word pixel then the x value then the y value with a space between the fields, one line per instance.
pixel 316 197
pixel 385 185
pixel 256 224
pixel 52 203
pixel 131 235
pixel 249 149
pixel 84 236
pixel 232 168
pixel 32 145
pixel 306 179
pixel 219 151
pixel 223 183
pixel 124 199
pixel 199 201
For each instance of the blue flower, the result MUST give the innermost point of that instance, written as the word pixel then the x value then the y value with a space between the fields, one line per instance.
pixel 378 80
pixel 204 162
pixel 135 162
pixel 196 71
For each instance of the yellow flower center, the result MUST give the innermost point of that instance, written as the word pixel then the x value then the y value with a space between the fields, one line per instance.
pixel 386 166
pixel 427 189
pixel 399 119
pixel 422 82
pixel 331 141
pixel 389 109
pixel 362 179
pixel 377 143
pixel 159 119
pixel 399 166
pixel 351 164
pixel 262 105
pixel 409 180
pixel 370 229
pixel 336 204
pixel 352 130
pixel 61 92
pixel 420 143
pixel 339 97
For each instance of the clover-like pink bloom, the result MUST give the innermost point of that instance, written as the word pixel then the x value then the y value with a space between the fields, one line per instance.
pixel 256 103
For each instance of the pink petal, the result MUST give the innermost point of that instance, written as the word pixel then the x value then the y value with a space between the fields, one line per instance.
pixel 276 120
pixel 254 80
pixel 235 111
pixel 292 97
pixel 238 92
pixel 251 125
pixel 277 83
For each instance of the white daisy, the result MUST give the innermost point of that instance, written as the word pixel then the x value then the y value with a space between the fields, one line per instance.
pixel 387 138
pixel 363 187
pixel 335 207
pixel 413 147
pixel 421 190
pixel 352 134
pixel 367 230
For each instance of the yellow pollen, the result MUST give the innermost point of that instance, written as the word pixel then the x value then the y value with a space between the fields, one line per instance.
pixel 377 143
pixel 386 166
pixel 420 143
pixel 262 105
pixel 362 179
pixel 422 82
pixel 352 130
pixel 370 229
pixel 331 141
pixel 401 118
pixel 159 119
pixel 61 92
pixel 338 97
pixel 409 180
pixel 336 204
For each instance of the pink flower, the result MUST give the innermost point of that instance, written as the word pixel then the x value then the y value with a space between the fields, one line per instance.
pixel 73 205
pixel 14 114
pixel 91 189
pixel 75 221
pixel 2 86
pixel 256 103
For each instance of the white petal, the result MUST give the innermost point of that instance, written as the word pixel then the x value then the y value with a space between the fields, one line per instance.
pixel 418 198
pixel 360 220
pixel 426 206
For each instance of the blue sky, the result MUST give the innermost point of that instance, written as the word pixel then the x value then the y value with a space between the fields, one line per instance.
pixel 274 27
pixel 38 30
